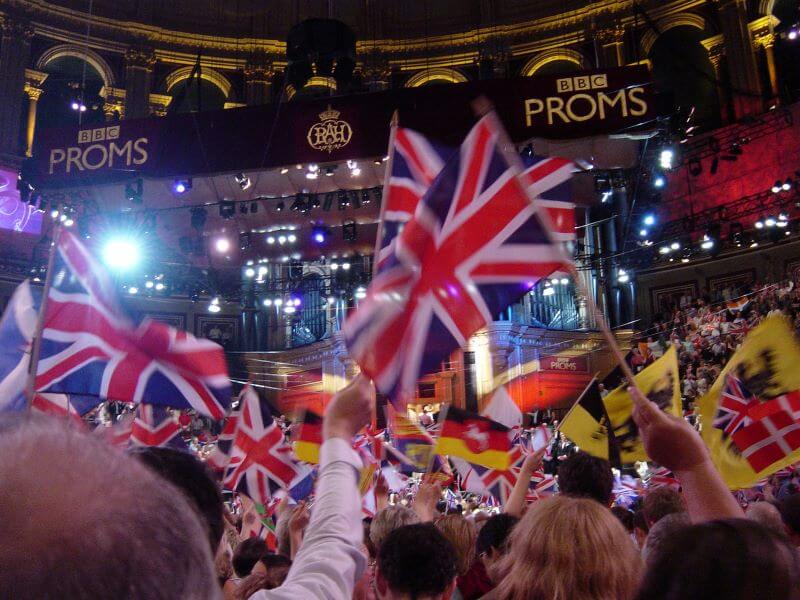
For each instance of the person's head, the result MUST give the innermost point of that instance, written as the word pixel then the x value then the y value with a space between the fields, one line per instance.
pixel 272 570
pixel 416 562
pixel 570 548
pixel 625 517
pixel 461 534
pixel 640 527
pixel 789 508
pixel 662 531
pixel 86 521
pixel 660 502
pixel 191 476
pixel 491 543
pixel 585 476
pixel 766 514
pixel 735 559
pixel 247 554
pixel 387 520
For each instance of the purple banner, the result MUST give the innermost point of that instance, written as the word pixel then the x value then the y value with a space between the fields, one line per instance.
pixel 16 215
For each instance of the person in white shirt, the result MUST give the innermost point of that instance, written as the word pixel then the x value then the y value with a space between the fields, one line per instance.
pixel 330 559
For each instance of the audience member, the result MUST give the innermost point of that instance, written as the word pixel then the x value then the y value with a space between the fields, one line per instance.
pixel 660 502
pixel 585 476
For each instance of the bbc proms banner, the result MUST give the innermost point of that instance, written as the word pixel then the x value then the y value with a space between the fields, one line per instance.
pixel 566 106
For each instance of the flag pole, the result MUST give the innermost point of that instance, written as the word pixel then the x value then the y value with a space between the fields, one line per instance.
pixel 483 107
pixel 37 336
pixel 387 177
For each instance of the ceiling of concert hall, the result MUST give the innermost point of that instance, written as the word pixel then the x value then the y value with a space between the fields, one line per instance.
pixel 370 19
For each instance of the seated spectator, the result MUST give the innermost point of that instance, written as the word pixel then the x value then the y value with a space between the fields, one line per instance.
pixel 416 562
pixel 86 521
pixel 585 476
pixel 570 548
pixel 735 559
pixel 660 502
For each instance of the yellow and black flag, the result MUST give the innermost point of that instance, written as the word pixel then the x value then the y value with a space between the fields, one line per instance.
pixel 474 438
pixel 308 438
pixel 586 424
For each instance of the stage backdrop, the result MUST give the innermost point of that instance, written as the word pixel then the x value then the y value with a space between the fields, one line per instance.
pixel 565 106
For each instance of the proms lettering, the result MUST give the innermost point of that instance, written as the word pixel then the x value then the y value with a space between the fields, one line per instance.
pixel 565 364
pixel 99 148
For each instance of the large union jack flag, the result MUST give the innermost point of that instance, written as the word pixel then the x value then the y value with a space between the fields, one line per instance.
pixel 474 245
pixel 90 348
pixel 261 461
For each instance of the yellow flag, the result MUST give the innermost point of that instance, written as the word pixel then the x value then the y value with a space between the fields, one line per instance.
pixel 586 423
pixel 661 384
pixel 768 366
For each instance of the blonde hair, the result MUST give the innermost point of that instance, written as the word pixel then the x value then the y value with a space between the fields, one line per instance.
pixel 387 520
pixel 568 549
pixel 462 534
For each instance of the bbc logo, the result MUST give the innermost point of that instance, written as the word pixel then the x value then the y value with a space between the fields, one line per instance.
pixel 581 83
pixel 101 134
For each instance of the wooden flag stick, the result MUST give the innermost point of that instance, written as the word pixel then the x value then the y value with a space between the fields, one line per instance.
pixel 387 179
pixel 36 345
pixel 483 107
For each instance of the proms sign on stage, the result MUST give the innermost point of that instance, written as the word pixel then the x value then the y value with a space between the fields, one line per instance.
pixel 566 106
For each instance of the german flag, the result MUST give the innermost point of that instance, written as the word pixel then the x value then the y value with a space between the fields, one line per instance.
pixel 308 438
pixel 476 439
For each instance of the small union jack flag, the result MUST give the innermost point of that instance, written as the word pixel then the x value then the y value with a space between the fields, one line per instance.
pixel 261 461
pixel 474 245
pixel 156 426
pixel 90 348
pixel 218 460
pixel 663 476
pixel 733 407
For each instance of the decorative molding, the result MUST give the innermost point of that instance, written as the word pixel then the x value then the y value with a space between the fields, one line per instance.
pixel 610 35
pixel 33 83
pixel 763 31
pixel 683 19
pixel 435 74
pixel 215 77
pixel 114 101
pixel 316 81
pixel 140 58
pixel 548 56
pixel 86 54
pixel 159 104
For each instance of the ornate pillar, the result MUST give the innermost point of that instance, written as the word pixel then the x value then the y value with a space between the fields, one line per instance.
pixel 33 88
pixel 716 53
pixel 375 71
pixel 493 57
pixel 157 104
pixel 764 37
pixel 139 63
pixel 611 40
pixel 741 59
pixel 15 51
pixel 113 103
pixel 258 74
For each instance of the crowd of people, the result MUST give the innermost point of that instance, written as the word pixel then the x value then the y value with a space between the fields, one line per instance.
pixel 84 520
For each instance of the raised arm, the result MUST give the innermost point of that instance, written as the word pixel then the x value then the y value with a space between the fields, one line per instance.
pixel 516 500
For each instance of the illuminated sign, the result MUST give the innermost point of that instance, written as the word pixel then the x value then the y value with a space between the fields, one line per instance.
pixel 331 133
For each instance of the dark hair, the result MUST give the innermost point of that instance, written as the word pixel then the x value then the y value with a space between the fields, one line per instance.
pixel 639 522
pixel 625 517
pixel 277 566
pixel 660 502
pixel 585 476
pixel 417 560
pixel 732 559
pixel 494 533
pixel 247 554
pixel 193 478
pixel 790 512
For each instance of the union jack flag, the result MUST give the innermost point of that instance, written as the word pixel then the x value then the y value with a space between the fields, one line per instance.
pixel 733 407
pixel 261 461
pixel 90 348
pixel 155 426
pixel 663 476
pixel 118 434
pixel 218 460
pixel 474 245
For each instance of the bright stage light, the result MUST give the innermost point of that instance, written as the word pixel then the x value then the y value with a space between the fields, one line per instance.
pixel 160 287
pixel 649 220
pixel 675 245
pixel 250 272
pixel 133 290
pixel 121 254
pixel 361 293
pixel 222 245
pixel 659 181
pixel 666 157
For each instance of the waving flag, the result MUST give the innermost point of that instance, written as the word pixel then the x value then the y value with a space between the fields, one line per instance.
pixel 17 329
pixel 474 246
pixel 307 438
pixel 261 461
pixel 413 443
pixel 474 438
pixel 156 426
pixel 733 406
pixel 90 348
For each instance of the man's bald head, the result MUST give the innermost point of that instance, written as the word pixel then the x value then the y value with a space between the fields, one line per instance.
pixel 79 519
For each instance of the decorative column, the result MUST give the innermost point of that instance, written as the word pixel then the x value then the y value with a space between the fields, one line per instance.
pixel 157 104
pixel 139 63
pixel 493 57
pixel 113 103
pixel 764 37
pixel 15 51
pixel 258 74
pixel 33 88
pixel 715 46
pixel 611 40
pixel 741 59
pixel 375 71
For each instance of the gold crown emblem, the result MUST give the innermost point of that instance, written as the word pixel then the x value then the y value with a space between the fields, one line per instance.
pixel 329 114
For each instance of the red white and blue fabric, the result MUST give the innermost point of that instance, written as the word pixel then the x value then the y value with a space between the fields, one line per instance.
pixel 261 461
pixel 156 426
pixel 733 406
pixel 218 460
pixel 475 245
pixel 663 476
pixel 117 434
pixel 90 348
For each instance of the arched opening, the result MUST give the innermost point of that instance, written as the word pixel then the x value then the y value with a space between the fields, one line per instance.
pixel 683 72
pixel 556 67
pixel 71 84
pixel 188 96
pixel 435 76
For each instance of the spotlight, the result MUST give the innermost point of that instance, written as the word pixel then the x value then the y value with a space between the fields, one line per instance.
pixel 787 185
pixel 291 238
pixel 643 232
pixel 664 250
pixel 267 302
pixel 659 181
pixel 279 206
pixel 777 186
pixel 770 221
pixel 262 270
pixel 289 309
pixel 331 300
pixel 649 220
pixel 675 246
pixel 355 172
pixel 160 287
pixel 665 158
pixel 792 35
pixel 564 281
pixel 334 266
pixel 622 276
pixel 318 235
pixel 707 243
pixel 548 291
pixel 181 186
pixel 149 284
pixel 278 302
pixel 346 266
pixel 284 170
pixel 68 222
pixel 270 240
pixel 227 209
pixel 121 254
pixel 244 241
pixel 361 293
pixel 214 308
pixel 249 272
pixel 330 170
pixel 759 224
pixel 243 181
pixel 281 239
pixel 222 245
pixel 75 105
pixel 133 290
